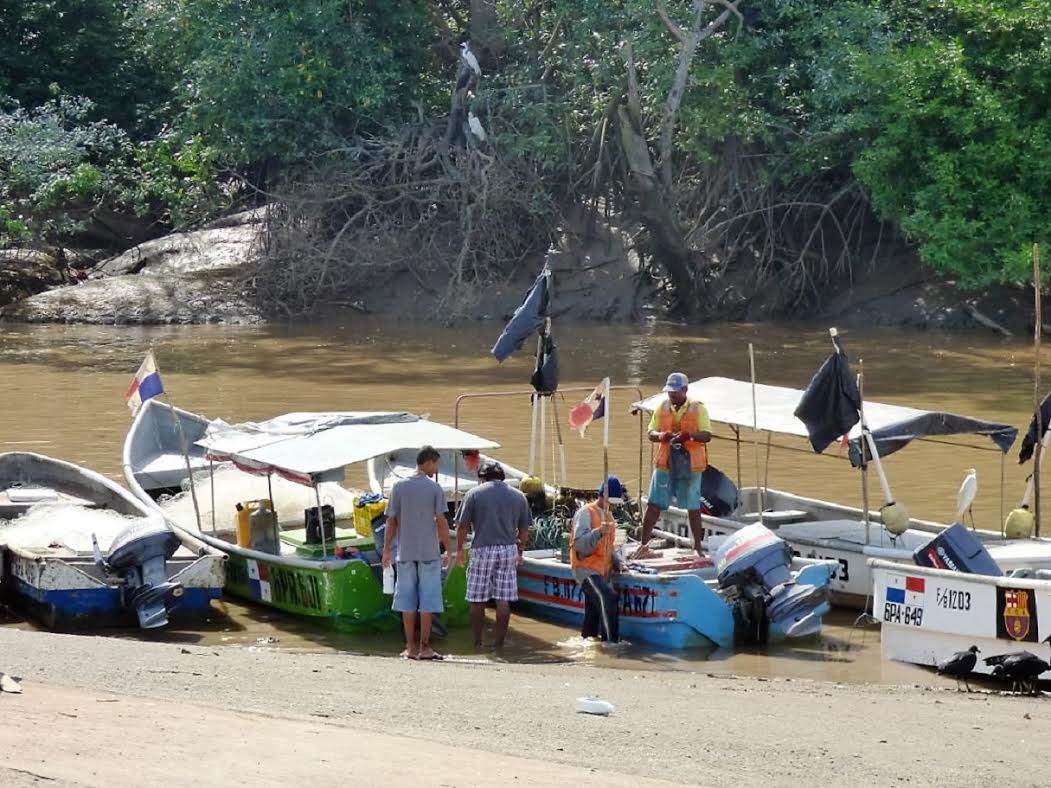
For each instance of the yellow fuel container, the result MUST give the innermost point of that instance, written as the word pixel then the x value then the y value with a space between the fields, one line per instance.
pixel 243 520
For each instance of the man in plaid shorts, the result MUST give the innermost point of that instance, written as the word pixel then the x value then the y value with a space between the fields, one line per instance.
pixel 499 516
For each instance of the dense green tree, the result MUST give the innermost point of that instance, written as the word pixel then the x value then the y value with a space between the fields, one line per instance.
pixel 960 155
pixel 274 80
pixel 86 48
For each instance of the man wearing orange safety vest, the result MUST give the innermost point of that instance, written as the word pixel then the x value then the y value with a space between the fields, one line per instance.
pixel 681 429
pixel 592 560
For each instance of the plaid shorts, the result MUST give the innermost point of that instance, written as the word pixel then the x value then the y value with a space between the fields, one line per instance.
pixel 492 573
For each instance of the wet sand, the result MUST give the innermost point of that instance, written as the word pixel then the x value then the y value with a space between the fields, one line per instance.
pixel 99 711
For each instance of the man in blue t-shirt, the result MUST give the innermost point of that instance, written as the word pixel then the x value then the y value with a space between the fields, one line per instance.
pixel 416 517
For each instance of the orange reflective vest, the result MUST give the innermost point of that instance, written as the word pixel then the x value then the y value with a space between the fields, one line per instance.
pixel 690 423
pixel 601 560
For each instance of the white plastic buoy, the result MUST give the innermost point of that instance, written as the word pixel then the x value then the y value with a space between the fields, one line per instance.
pixel 595 706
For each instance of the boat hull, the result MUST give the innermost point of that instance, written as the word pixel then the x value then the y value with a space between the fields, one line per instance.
pixel 673 611
pixel 60 595
pixel 929 614
pixel 345 594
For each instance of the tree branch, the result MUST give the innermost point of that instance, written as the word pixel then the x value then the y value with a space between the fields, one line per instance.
pixel 669 23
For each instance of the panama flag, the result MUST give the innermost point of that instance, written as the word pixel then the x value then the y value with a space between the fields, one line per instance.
pixel 145 384
pixel 906 590
pixel 591 409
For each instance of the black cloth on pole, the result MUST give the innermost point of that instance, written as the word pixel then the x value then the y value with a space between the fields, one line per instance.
pixel 1031 439
pixel 528 319
pixel 891 437
pixel 545 375
pixel 829 406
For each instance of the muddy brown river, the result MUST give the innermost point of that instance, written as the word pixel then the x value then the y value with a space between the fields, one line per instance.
pixel 62 391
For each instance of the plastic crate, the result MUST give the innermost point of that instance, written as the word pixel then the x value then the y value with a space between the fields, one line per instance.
pixel 365 514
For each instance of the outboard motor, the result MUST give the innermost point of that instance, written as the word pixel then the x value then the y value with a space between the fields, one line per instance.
pixel 138 556
pixel 756 564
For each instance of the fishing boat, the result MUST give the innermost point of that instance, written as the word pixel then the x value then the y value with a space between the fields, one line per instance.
pixel 676 599
pixel 815 528
pixel 671 600
pixel 257 496
pixel 81 551
pixel 930 614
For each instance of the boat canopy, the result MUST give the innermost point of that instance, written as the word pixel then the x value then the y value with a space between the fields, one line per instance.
pixel 315 447
pixel 729 401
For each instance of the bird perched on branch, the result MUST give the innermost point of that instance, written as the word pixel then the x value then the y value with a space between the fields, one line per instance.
pixel 475 126
pixel 470 59
pixel 960 665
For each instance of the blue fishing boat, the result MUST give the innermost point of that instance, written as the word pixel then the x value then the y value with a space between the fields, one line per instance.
pixel 677 599
pixel 80 551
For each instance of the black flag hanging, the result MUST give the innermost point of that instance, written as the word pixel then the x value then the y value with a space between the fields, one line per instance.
pixel 527 319
pixel 545 376
pixel 829 407
pixel 1031 439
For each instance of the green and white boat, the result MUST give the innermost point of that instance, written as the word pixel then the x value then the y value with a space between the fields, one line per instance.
pixel 295 463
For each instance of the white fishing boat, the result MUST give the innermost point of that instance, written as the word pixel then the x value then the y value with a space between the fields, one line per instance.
pixel 833 531
pixel 928 615
pixel 80 551
pixel 257 494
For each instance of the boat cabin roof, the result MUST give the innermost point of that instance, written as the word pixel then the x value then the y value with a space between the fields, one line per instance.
pixel 729 401
pixel 316 447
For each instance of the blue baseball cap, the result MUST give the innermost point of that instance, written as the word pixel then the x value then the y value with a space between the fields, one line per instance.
pixel 677 381
pixel 616 490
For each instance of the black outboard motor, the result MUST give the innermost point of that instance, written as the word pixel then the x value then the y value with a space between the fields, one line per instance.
pixel 138 556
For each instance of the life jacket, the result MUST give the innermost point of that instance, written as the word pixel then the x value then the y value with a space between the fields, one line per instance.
pixel 601 560
pixel 690 423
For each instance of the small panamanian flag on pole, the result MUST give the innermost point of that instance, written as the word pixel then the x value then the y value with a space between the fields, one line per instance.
pixel 145 385
pixel 591 409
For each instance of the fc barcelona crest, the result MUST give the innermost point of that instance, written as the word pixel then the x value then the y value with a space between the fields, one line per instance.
pixel 1016 614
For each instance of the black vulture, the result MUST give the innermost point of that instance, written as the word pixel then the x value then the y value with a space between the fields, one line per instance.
pixel 1021 668
pixel 960 665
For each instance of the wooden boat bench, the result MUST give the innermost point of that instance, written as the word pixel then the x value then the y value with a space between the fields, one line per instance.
pixel 776 517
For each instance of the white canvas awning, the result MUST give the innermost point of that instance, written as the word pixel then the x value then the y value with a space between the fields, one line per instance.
pixel 729 401
pixel 316 447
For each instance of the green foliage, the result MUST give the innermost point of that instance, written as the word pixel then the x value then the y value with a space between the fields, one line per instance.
pixel 274 80
pixel 961 154
pixel 88 48
pixel 54 163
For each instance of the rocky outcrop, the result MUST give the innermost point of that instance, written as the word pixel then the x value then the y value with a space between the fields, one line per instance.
pixel 25 272
pixel 192 277
pixel 227 244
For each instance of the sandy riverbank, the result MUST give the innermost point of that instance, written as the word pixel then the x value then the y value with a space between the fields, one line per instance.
pixel 99 711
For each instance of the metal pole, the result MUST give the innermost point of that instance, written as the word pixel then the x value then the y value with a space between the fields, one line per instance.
pixel 737 443
pixel 605 450
pixel 1003 523
pixel 211 478
pixel 543 436
pixel 755 429
pixel 320 520
pixel 561 445
pixel 532 436
pixel 186 458
pixel 1038 330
